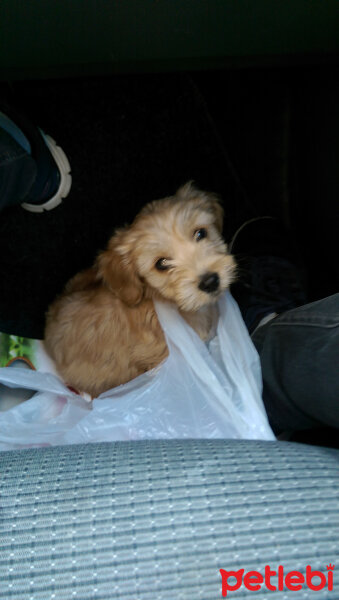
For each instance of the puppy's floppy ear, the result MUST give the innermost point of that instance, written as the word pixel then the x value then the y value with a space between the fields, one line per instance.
pixel 116 268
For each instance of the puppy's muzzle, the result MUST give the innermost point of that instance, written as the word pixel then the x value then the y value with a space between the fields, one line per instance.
pixel 209 283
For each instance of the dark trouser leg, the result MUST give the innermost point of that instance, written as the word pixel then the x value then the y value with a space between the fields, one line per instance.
pixel 17 171
pixel 299 353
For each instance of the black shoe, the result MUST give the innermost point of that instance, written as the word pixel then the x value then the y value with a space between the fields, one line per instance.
pixel 270 278
pixel 53 179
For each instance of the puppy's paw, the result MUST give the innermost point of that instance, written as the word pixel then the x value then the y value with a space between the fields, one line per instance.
pixel 87 397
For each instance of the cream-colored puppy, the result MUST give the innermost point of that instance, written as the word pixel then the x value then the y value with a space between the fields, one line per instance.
pixel 103 330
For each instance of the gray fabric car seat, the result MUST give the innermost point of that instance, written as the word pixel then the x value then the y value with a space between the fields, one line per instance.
pixel 157 520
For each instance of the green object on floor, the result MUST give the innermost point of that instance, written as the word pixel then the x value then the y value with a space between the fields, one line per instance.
pixel 16 347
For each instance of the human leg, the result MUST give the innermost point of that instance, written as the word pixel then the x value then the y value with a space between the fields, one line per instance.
pixel 299 342
pixel 299 354
pixel 17 171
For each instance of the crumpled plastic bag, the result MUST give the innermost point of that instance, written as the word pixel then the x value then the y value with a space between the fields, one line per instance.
pixel 200 391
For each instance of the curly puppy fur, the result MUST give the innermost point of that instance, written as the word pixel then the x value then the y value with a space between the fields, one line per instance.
pixel 103 330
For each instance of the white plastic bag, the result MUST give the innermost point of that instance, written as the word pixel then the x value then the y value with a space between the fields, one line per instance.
pixel 197 392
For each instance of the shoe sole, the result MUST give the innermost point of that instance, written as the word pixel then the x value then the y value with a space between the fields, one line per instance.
pixel 64 167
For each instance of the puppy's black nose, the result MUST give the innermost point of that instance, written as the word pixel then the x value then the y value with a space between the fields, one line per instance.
pixel 209 282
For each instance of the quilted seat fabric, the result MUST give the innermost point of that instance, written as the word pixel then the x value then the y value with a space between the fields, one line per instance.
pixel 156 520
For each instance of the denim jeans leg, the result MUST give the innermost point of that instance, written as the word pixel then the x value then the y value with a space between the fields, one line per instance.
pixel 299 354
pixel 17 171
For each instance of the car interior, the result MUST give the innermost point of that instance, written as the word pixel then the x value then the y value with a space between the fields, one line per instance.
pixel 143 96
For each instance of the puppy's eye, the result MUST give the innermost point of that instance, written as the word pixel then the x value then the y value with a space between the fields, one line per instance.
pixel 162 264
pixel 200 234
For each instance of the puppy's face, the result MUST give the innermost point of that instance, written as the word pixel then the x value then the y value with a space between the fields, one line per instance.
pixel 174 247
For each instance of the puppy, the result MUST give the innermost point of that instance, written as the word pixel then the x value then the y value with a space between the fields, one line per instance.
pixel 103 330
